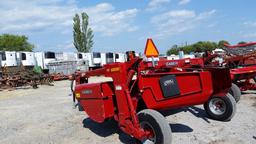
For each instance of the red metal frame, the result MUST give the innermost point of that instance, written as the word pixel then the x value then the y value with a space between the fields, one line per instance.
pixel 240 45
pixel 120 99
pixel 126 116
pixel 243 77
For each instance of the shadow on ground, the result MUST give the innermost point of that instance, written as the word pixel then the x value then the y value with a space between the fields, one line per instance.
pixel 106 129
pixel 180 128
pixel 248 92
pixel 110 127
pixel 198 112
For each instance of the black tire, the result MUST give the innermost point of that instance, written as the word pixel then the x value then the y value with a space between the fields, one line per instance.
pixel 151 119
pixel 235 92
pixel 226 111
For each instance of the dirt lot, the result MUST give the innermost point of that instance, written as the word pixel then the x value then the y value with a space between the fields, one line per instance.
pixel 46 116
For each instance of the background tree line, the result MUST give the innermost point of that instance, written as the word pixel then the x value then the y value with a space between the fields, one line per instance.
pixel 200 46
pixel 10 42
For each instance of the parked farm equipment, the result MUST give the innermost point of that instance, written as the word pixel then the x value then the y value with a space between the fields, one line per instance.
pixel 12 77
pixel 140 88
pixel 190 64
pixel 241 59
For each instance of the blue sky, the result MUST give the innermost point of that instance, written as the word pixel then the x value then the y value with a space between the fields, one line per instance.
pixel 121 25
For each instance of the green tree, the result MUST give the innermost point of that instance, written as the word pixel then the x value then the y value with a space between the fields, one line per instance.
pixel 242 42
pixel 173 50
pixel 187 49
pixel 10 42
pixel 82 34
pixel 221 43
pixel 200 46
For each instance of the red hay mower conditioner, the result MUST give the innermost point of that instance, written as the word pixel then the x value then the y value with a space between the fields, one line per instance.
pixel 141 88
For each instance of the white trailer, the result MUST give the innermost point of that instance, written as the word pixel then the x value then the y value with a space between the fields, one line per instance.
pixel 94 60
pixel 103 59
pixel 85 56
pixel 120 57
pixel 62 67
pixel 81 56
pixel 8 58
pixel 43 58
pixel 83 60
pixel 26 58
pixel 65 56
pixel 110 57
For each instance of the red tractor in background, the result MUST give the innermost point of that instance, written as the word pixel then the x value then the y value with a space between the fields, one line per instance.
pixel 140 88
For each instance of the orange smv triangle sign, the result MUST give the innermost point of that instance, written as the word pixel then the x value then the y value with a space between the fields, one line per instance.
pixel 150 49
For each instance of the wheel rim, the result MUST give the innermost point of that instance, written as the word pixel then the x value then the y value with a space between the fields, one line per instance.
pixel 152 136
pixel 217 106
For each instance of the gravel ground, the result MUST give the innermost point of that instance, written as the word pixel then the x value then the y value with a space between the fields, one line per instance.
pixel 46 116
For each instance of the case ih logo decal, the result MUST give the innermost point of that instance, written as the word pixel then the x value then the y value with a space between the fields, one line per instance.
pixel 171 64
pixel 87 92
pixel 168 82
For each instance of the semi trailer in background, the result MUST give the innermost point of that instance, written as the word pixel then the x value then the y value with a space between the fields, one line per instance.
pixel 8 59
pixel 109 57
pixel 44 58
pixel 97 59
pixel 120 57
pixel 103 59
pixel 66 56
pixel 92 60
pixel 26 59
